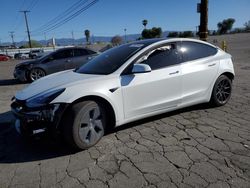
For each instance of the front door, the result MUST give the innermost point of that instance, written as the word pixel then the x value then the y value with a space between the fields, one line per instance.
pixel 60 61
pixel 157 90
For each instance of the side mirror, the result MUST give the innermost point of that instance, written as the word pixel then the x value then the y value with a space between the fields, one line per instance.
pixel 50 58
pixel 141 68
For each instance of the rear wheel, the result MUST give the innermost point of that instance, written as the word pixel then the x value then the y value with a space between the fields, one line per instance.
pixel 221 91
pixel 85 124
pixel 36 73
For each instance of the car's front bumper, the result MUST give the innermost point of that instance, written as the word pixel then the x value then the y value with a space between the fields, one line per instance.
pixel 31 121
pixel 20 74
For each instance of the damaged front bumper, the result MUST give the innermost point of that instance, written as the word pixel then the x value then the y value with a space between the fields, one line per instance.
pixel 32 121
pixel 20 74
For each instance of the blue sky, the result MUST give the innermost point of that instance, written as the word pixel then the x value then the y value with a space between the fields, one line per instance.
pixel 110 17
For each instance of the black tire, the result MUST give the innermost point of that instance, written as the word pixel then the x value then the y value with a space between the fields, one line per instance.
pixel 84 124
pixel 35 74
pixel 222 91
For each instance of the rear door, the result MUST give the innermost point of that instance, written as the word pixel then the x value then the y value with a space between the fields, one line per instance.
pixel 199 68
pixel 157 90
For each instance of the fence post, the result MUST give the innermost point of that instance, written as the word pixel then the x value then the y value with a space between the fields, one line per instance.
pixel 224 45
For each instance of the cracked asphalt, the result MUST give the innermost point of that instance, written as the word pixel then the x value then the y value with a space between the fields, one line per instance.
pixel 199 146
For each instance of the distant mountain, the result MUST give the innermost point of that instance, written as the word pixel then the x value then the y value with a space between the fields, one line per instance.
pixel 69 41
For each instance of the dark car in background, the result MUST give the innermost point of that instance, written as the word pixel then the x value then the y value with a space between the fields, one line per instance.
pixel 59 60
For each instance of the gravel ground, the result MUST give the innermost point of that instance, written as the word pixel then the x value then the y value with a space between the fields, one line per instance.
pixel 198 146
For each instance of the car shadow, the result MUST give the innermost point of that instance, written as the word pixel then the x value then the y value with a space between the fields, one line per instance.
pixel 9 82
pixel 15 149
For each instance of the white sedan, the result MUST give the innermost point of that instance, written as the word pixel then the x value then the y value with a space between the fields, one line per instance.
pixel 124 84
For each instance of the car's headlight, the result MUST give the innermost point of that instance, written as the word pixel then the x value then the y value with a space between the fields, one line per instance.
pixel 43 99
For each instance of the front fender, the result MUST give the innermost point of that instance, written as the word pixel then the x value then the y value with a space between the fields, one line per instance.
pixel 72 94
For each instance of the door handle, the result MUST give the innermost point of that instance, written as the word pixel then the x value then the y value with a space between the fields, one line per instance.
pixel 176 72
pixel 211 65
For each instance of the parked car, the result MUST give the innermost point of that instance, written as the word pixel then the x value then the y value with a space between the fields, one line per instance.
pixel 4 57
pixel 62 59
pixel 21 55
pixel 124 84
pixel 35 53
pixel 17 55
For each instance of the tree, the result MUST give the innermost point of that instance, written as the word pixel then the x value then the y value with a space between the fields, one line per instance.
pixel 225 25
pixel 144 23
pixel 87 35
pixel 186 34
pixel 116 40
pixel 34 44
pixel 173 34
pixel 155 32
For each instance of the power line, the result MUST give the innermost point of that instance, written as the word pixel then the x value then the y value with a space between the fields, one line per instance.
pixel 68 18
pixel 17 24
pixel 61 15
pixel 18 21
pixel 32 4
pixel 72 16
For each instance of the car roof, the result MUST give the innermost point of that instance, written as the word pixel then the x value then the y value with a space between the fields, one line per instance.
pixel 150 42
pixel 75 47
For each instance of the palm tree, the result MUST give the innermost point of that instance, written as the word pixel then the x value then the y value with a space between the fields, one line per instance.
pixel 87 35
pixel 144 22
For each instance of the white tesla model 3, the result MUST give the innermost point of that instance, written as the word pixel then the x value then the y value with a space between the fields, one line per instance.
pixel 123 84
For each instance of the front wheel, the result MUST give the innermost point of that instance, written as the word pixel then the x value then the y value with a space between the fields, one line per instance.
pixel 85 124
pixel 222 91
pixel 36 73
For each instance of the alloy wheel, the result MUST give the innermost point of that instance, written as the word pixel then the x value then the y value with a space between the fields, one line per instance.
pixel 223 91
pixel 91 126
pixel 36 74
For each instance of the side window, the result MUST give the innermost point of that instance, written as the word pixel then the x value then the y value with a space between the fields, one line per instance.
pixel 91 52
pixel 194 50
pixel 161 57
pixel 63 54
pixel 80 52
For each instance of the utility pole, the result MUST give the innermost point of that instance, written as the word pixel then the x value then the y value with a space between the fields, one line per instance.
pixel 27 25
pixel 202 8
pixel 12 37
pixel 73 37
pixel 125 36
pixel 93 38
pixel 45 38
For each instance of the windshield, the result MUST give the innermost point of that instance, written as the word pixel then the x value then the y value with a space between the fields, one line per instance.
pixel 44 55
pixel 110 60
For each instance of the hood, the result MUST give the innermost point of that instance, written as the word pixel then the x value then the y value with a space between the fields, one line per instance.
pixel 25 63
pixel 55 81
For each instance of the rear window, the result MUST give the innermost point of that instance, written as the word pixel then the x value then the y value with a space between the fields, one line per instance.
pixel 194 50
